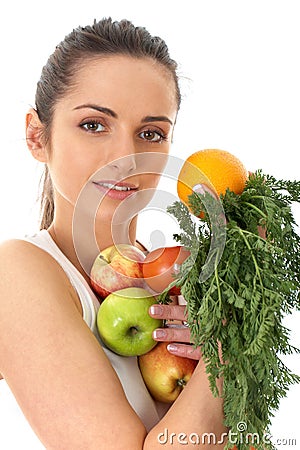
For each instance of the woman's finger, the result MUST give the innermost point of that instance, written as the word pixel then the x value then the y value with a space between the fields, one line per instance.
pixel 172 333
pixel 168 312
pixel 185 351
pixel 202 189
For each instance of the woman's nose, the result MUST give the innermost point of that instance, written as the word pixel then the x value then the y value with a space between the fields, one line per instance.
pixel 124 165
pixel 123 152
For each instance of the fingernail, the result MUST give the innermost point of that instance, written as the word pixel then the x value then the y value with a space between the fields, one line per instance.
pixel 198 188
pixel 159 333
pixel 156 310
pixel 172 348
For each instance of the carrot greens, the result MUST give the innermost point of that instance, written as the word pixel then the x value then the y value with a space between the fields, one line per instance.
pixel 240 282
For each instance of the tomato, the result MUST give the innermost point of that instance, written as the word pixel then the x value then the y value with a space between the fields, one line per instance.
pixel 160 266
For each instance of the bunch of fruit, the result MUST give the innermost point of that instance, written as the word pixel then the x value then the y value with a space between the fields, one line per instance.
pixel 128 283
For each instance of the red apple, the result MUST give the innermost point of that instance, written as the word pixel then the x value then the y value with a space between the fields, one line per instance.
pixel 117 267
pixel 164 374
pixel 161 265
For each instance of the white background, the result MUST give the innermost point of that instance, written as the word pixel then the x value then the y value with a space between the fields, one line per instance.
pixel 239 64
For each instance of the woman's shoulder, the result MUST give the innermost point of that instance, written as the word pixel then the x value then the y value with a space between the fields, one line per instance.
pixel 15 246
pixel 18 254
pixel 31 268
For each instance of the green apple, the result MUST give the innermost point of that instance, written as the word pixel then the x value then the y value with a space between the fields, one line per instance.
pixel 124 323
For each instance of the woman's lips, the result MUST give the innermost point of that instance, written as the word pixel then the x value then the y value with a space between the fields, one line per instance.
pixel 117 190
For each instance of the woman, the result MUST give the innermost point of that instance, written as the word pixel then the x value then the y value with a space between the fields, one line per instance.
pixel 107 100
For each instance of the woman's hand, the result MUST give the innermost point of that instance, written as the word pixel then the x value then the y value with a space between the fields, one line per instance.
pixel 176 331
pixel 202 189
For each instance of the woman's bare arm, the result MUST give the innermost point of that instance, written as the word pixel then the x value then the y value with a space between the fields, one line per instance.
pixel 60 375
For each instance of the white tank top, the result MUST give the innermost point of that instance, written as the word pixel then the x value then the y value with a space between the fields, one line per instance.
pixel 126 368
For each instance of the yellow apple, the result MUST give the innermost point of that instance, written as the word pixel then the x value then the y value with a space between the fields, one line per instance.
pixel 164 374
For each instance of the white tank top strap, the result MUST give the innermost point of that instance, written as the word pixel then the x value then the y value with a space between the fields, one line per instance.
pixel 87 298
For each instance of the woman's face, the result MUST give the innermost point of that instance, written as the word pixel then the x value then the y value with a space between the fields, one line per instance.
pixel 106 129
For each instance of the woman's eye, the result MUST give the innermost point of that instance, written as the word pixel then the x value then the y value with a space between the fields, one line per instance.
pixel 92 126
pixel 152 136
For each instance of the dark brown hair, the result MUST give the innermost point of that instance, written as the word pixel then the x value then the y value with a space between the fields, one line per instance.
pixel 103 38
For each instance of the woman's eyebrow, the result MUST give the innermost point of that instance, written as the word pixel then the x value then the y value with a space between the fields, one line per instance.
pixel 99 108
pixel 112 113
pixel 157 119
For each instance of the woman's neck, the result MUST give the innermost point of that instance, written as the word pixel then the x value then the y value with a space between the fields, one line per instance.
pixel 81 245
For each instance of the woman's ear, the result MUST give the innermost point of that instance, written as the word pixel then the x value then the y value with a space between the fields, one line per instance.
pixel 34 136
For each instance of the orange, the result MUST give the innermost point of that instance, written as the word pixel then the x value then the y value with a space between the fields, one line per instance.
pixel 217 169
